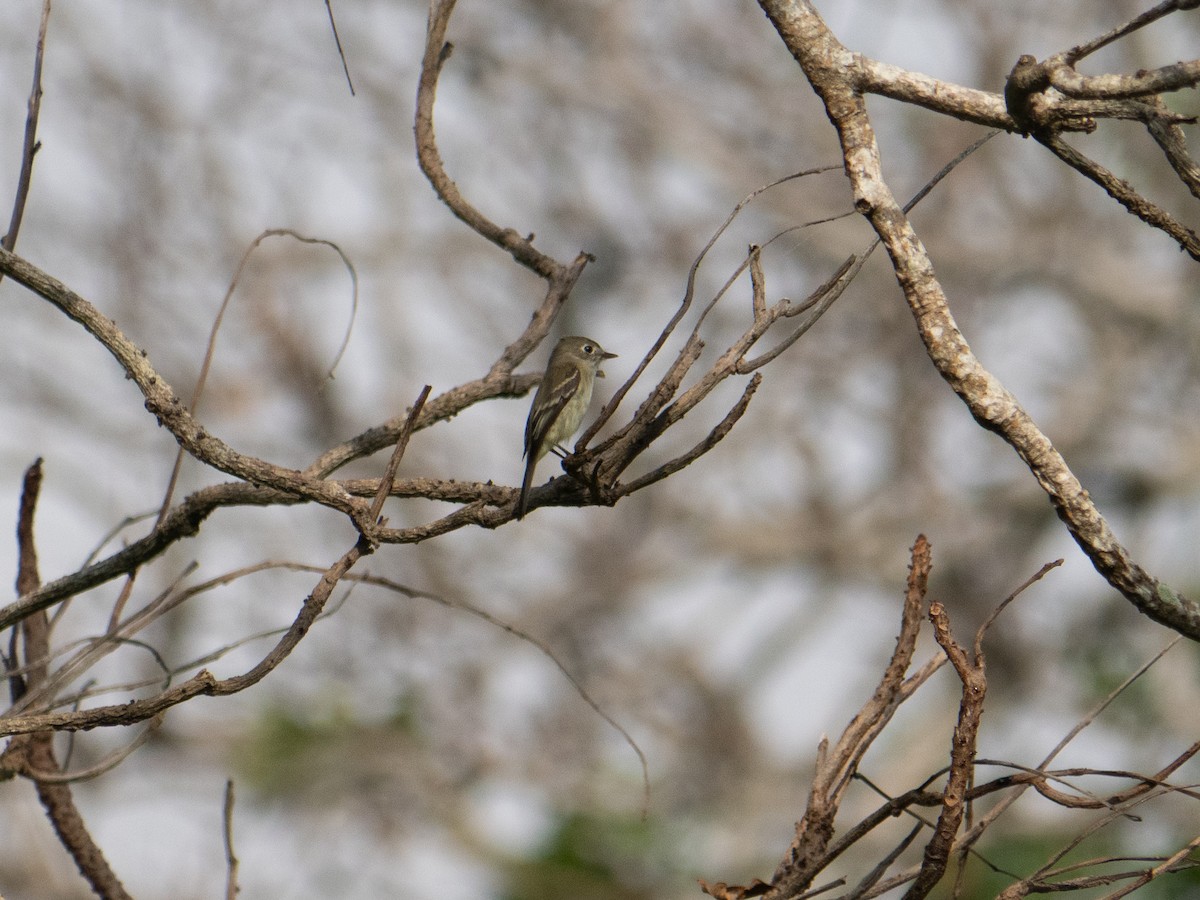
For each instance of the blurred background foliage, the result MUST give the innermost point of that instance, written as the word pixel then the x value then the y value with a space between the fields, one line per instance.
pixel 727 617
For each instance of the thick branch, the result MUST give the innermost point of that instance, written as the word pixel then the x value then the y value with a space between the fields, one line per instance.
pixel 956 101
pixel 823 60
pixel 1118 86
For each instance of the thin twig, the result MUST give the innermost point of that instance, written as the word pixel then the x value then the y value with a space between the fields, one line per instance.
pixel 689 293
pixel 338 41
pixel 1167 7
pixel 549 653
pixel 103 766
pixel 30 145
pixel 203 682
pixel 1003 604
pixel 389 472
pixel 211 346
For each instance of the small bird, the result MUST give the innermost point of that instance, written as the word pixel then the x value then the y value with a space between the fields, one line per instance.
pixel 561 402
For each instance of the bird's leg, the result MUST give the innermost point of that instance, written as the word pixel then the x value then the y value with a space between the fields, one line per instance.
pixel 585 469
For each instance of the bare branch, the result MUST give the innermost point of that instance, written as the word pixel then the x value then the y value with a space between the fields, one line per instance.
pixel 967 104
pixel 389 473
pixel 962 755
pixel 1123 192
pixel 714 437
pixel 685 304
pixel 32 755
pixel 1170 138
pixel 231 860
pixel 809 853
pixel 1094 87
pixel 210 348
pixel 985 821
pixel 437 51
pixel 1165 8
pixel 1172 863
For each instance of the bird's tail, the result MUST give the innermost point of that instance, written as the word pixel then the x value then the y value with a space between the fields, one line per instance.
pixel 523 500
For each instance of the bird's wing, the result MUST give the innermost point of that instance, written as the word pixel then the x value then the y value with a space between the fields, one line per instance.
pixel 543 414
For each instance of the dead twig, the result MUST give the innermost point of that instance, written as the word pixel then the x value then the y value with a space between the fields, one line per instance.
pixel 809 852
pixel 30 144
pixel 970 670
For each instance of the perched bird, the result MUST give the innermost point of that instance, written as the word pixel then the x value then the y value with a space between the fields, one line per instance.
pixel 561 402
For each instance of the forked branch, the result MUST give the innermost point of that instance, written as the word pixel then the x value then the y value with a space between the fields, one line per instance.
pixel 829 69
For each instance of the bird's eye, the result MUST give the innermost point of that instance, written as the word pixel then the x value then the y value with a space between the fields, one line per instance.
pixel 588 348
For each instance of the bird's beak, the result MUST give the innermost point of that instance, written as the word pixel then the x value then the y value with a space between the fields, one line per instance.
pixel 605 355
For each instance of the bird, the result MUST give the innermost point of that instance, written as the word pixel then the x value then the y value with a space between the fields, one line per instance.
pixel 561 401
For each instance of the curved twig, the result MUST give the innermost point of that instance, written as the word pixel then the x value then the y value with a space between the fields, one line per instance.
pixel 437 51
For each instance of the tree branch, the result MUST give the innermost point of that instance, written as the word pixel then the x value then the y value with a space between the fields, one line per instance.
pixel 823 59
pixel 962 755
pixel 32 755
